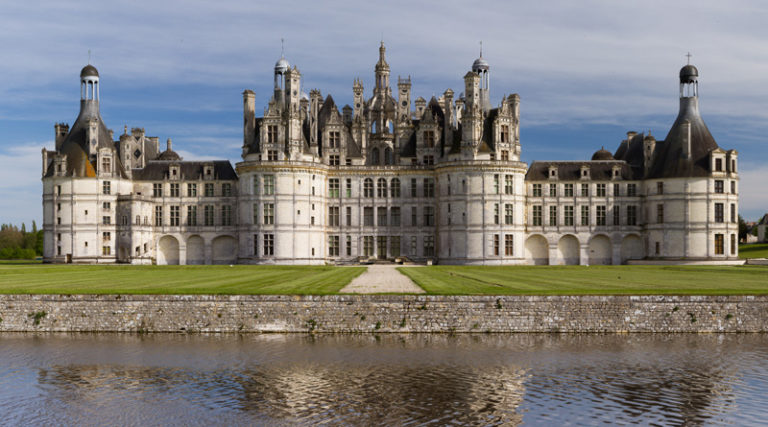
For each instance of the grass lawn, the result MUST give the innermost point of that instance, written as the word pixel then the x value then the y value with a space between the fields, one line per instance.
pixel 753 250
pixel 26 278
pixel 593 280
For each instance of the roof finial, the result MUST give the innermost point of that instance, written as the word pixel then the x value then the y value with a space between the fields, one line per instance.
pixel 89 57
pixel 689 57
pixel 282 47
pixel 481 48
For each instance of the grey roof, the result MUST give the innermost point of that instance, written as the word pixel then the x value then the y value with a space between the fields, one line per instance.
pixel 192 170
pixel 89 70
pixel 688 74
pixel 571 170
pixel 169 155
pixel 602 154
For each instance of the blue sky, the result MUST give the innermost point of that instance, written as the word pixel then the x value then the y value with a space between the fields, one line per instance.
pixel 587 72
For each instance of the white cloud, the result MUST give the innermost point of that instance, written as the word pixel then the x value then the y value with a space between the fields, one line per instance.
pixel 20 185
pixel 753 201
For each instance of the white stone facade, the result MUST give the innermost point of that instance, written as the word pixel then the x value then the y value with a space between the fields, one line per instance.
pixel 440 182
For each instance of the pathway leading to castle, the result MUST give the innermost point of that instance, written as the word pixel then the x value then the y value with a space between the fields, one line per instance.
pixel 380 279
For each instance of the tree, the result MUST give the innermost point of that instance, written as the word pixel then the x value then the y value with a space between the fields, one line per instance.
pixel 742 229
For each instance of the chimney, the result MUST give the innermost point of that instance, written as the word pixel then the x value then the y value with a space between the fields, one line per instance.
pixel 249 117
pixel 168 144
pixel 61 130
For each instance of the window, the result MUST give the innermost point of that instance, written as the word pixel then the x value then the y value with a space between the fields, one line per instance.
pixel 269 185
pixel 616 190
pixel 719 165
pixel 192 215
pixel 429 187
pixel 157 190
pixel 429 246
pixel 333 187
pixel 192 188
pixel 381 216
pixel 106 206
pixel 631 215
pixel 58 190
pixel 553 215
pixel 658 248
pixel 272 155
pixel 496 213
pixel 552 190
pixel 106 236
pixel 659 188
pixel 106 187
pixel 584 190
pixel 209 190
pixel 158 216
pixel 616 216
pixel 509 184
pixel 413 216
pixel 381 187
pixel 349 187
pixel 334 139
pixel 226 215
pixel 272 134
pixel 429 215
pixel 429 160
pixel 208 215
pixel 733 244
pixel 368 187
pixel 496 184
pixel 733 187
pixel 568 215
pixel 719 244
pixel 333 245
pixel 719 212
pixel 631 190
pixel 174 216
pixel 349 216
pixel 448 188
pixel 174 190
pixel 509 216
pixel 394 246
pixel 106 250
pixel 413 245
pixel 368 246
pixel 509 248
pixel 395 216
pixel 537 215
pixel 585 215
pixel 568 190
pixel 394 188
pixel 349 245
pixel 269 245
pixel 429 138
pixel 660 213
pixel 733 212
pixel 504 134
pixel 536 190
pixel 58 206
pixel 226 189
pixel 333 216
pixel 719 187
pixel 381 246
pixel 106 165
pixel 269 213
pixel 368 216
pixel 496 245
pixel 334 160
pixel 600 190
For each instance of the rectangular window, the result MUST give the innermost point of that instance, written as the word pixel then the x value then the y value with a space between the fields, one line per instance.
pixel 552 215
pixel 333 187
pixel 429 187
pixel 208 215
pixel 349 245
pixel 504 133
pixel 429 160
pixel 568 190
pixel 226 189
pixel 552 190
pixel 368 216
pixel 631 190
pixel 616 216
pixel 333 245
pixel 659 188
pixel 106 187
pixel 349 216
pixel 106 236
pixel 509 216
pixel 106 250
pixel 584 215
pixel 395 215
pixel 106 206
pixel 568 215
pixel 600 190
pixel 334 160
pixel 272 134
pixel 537 215
pixel 733 187
pixel 334 139
pixel 106 165
pixel 429 138
pixel 333 216
pixel 429 215
pixel 349 187
pixel 719 165
pixel 536 190
pixel 719 187
pixel 158 216
pixel 429 246
pixel 381 246
pixel 413 245
pixel 413 187
pixel 660 213
pixel 733 212
pixel 192 215
pixel 174 189
pixel 269 245
pixel 269 213
pixel 157 190
pixel 394 188
pixel 496 184
pixel 255 245
pixel 495 213
pixel 509 245
pixel 631 215
pixel 368 246
pixel 616 190
pixel 269 185
pixel 733 244
pixel 272 155
pixel 209 189
pixel 584 190
pixel 381 216
pixel 226 215
pixel 509 185
pixel 413 216
pixel 368 187
pixel 174 216
pixel 496 245
pixel 719 244
pixel 719 217
pixel 394 246
pixel 192 190
pixel 255 185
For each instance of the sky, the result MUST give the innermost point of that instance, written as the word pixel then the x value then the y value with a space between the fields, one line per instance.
pixel 587 72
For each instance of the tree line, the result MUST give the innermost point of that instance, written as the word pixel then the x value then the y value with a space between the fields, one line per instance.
pixel 18 243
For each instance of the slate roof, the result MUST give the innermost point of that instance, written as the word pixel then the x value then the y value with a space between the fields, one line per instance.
pixel 191 170
pixel 601 170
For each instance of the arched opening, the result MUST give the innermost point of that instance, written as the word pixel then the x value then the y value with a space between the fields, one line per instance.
pixel 195 251
pixel 224 250
pixel 568 250
pixel 375 156
pixel 374 125
pixel 537 250
pixel 388 156
pixel 381 187
pixel 390 127
pixel 167 251
pixel 600 252
pixel 632 248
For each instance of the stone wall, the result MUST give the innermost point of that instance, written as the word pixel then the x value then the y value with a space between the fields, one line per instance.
pixel 382 313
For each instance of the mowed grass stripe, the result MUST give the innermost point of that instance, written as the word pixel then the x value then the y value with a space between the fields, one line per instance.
pixel 593 280
pixel 240 279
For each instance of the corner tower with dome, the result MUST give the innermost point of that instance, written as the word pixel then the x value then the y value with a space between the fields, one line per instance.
pixel 389 179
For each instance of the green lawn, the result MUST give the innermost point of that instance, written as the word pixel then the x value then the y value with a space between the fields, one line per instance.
pixel 18 278
pixel 593 280
pixel 754 250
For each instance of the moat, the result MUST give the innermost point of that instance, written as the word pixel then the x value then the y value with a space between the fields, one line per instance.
pixel 424 379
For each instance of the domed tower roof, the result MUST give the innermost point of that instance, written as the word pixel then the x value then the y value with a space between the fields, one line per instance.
pixel 282 65
pixel 89 70
pixel 169 154
pixel 602 154
pixel 480 64
pixel 689 74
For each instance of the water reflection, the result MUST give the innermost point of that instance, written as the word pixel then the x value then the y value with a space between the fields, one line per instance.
pixel 392 380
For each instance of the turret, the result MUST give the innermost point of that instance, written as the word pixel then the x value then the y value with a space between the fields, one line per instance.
pixel 404 98
pixel 357 90
pixel 482 68
pixel 382 72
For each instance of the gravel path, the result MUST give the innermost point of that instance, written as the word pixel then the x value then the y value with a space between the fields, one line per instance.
pixel 382 278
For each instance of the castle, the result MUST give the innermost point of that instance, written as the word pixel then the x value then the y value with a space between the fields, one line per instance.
pixel 387 178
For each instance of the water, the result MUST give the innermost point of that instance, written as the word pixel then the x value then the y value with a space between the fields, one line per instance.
pixel 534 379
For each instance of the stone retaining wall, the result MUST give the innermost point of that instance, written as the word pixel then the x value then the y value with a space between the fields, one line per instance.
pixel 382 313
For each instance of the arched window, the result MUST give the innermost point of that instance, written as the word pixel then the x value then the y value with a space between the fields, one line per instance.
pixel 375 156
pixel 395 187
pixel 373 126
pixel 381 188
pixel 390 127
pixel 388 156
pixel 368 187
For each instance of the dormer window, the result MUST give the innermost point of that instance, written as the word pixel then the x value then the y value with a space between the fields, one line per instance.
pixel 429 138
pixel 504 133
pixel 334 139
pixel 718 165
pixel 616 172
pixel 585 172
pixel 552 172
pixel 272 134
pixel 106 165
